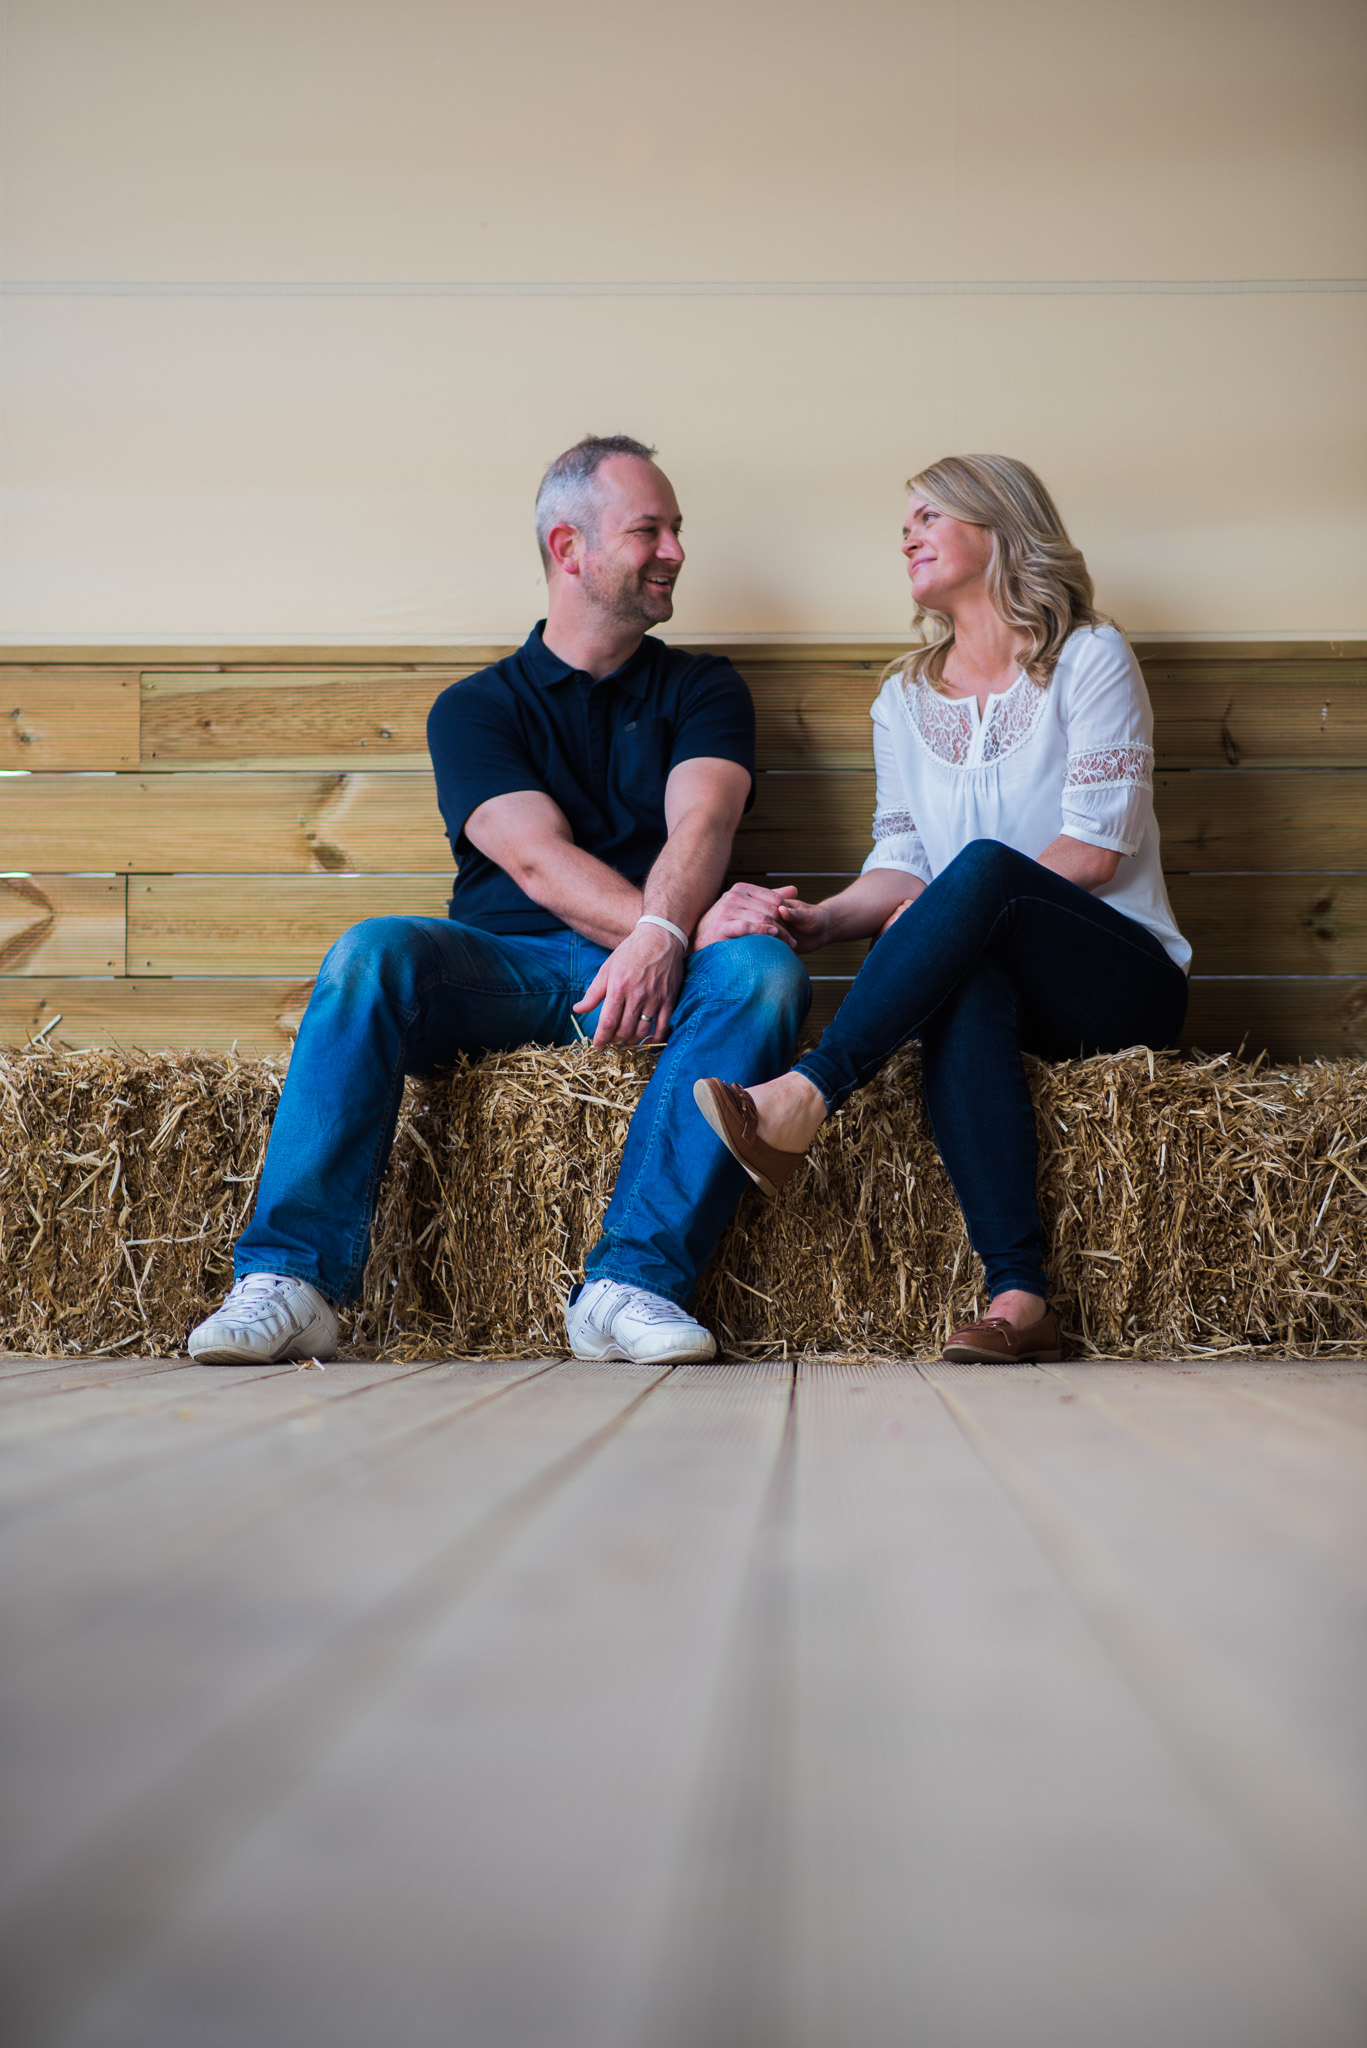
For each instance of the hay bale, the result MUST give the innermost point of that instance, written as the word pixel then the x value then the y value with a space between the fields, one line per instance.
pixel 1194 1207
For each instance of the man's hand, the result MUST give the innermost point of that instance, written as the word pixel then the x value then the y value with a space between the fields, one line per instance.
pixel 745 912
pixel 638 985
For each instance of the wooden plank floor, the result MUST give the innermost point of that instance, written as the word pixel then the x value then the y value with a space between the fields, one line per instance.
pixel 514 1705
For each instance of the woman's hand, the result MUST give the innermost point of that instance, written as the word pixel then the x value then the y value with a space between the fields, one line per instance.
pixel 808 924
pixel 888 924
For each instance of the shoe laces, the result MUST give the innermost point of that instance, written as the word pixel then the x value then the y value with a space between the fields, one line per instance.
pixel 253 1289
pixel 658 1309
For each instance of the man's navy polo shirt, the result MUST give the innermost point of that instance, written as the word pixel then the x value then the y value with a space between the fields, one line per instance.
pixel 600 750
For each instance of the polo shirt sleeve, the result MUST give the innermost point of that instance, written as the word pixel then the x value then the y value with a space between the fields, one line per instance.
pixel 475 738
pixel 716 719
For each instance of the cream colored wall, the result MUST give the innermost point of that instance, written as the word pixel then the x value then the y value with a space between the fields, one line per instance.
pixel 805 247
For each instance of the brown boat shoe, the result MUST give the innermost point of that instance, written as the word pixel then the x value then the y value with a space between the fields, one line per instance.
pixel 994 1341
pixel 734 1118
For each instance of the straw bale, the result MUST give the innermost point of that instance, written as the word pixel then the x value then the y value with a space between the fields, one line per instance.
pixel 1194 1206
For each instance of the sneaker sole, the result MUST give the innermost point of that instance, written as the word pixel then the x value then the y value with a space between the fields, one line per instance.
pixel 241 1354
pixel 693 1355
pixel 614 1354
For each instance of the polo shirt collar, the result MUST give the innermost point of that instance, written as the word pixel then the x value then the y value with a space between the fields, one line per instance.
pixel 548 669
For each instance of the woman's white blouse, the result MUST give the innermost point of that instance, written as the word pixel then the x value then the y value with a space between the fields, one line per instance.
pixel 1076 757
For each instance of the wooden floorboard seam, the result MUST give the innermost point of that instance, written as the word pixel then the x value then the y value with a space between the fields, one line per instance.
pixel 78 1931
pixel 1263 1786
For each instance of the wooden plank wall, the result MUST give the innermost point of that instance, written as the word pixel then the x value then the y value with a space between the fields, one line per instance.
pixel 184 834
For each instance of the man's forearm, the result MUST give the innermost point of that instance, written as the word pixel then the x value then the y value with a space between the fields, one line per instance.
pixel 688 874
pixel 592 898
pixel 601 905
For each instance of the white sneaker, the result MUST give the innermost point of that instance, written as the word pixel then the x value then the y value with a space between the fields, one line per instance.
pixel 611 1320
pixel 267 1319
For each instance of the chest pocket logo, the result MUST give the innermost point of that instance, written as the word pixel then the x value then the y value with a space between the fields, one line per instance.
pixel 641 757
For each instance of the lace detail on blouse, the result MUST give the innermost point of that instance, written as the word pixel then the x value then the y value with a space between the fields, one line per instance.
pixel 894 825
pixel 947 725
pixel 944 723
pixel 1129 767
pixel 1011 719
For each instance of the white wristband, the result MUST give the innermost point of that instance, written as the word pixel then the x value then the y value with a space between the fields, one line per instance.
pixel 664 923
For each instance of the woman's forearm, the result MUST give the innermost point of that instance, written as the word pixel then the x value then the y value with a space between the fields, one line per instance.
pixel 865 907
pixel 1091 867
pixel 862 910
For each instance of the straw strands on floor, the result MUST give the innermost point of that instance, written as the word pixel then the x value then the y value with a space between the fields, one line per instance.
pixel 1194 1207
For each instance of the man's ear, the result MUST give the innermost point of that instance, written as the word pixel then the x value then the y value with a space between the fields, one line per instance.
pixel 565 546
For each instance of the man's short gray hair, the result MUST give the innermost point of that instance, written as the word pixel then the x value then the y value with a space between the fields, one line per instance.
pixel 567 496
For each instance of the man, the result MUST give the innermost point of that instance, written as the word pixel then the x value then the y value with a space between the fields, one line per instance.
pixel 591 785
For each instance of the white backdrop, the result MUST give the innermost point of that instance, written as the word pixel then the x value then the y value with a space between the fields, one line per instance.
pixel 299 297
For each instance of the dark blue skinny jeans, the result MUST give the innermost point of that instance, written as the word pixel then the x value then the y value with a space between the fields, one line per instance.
pixel 408 995
pixel 998 956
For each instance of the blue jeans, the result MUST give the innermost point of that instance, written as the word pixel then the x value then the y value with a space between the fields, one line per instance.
pixel 996 957
pixel 407 995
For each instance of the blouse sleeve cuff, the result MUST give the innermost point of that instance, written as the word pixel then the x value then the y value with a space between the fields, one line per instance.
pixel 905 854
pixel 1115 816
pixel 1091 835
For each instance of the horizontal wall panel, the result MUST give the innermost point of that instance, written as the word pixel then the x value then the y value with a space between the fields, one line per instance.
pixel 802 824
pixel 380 823
pixel 1237 924
pixel 1273 924
pixel 323 719
pixel 1263 820
pixel 64 719
pixel 1288 1019
pixel 225 823
pixel 256 1016
pixel 1266 820
pixel 810 713
pixel 62 924
pixel 1259 714
pixel 1206 714
pixel 262 924
pixel 827 996
pixel 284 924
pixel 1315 1017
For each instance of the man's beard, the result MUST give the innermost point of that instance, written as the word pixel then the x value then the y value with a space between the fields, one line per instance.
pixel 624 597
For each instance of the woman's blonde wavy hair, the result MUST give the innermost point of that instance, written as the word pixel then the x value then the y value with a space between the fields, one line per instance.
pixel 1036 578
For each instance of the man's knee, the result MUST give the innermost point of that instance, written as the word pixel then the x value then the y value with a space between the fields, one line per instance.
pixel 761 972
pixel 373 956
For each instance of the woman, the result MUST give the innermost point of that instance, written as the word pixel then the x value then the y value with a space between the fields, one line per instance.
pixel 1014 878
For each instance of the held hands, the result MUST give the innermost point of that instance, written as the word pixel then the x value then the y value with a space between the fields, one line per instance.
pixel 748 911
pixel 638 985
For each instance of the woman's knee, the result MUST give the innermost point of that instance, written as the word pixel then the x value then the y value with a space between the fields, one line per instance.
pixel 986 863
